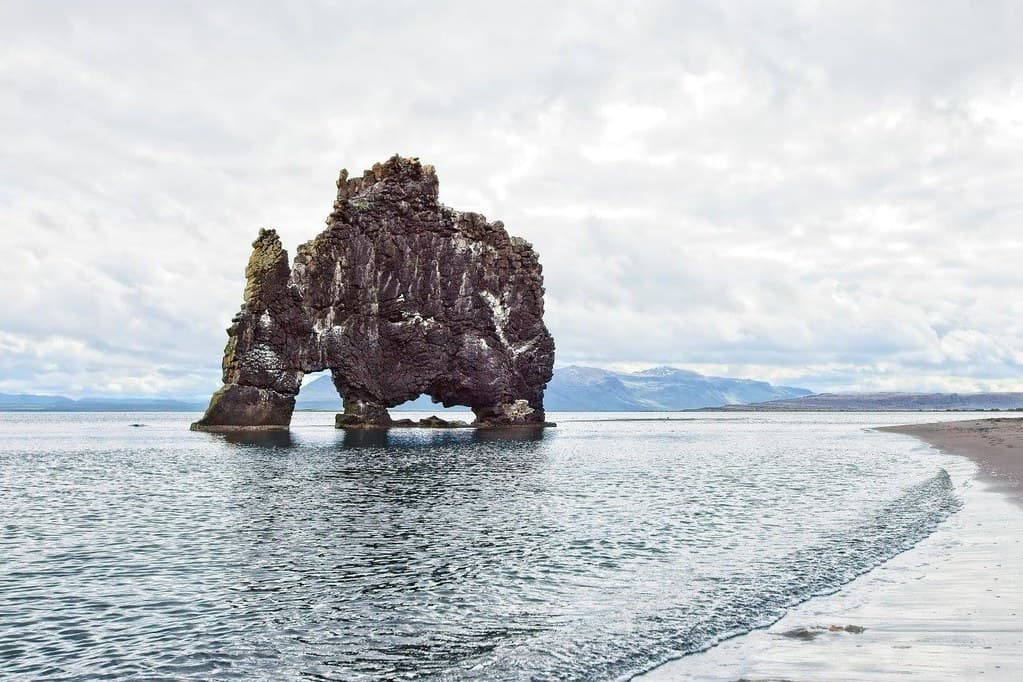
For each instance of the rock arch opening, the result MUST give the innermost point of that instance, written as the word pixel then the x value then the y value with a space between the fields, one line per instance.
pixel 317 392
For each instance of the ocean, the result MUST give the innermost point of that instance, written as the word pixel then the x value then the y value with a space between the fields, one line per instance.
pixel 599 549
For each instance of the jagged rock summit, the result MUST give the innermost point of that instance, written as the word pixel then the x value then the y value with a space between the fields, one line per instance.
pixel 399 296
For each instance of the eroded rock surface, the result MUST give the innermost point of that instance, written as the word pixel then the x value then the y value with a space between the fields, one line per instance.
pixel 398 297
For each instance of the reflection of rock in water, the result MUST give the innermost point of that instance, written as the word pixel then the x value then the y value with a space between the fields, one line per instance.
pixel 400 296
pixel 276 438
pixel 365 438
pixel 520 434
pixel 403 438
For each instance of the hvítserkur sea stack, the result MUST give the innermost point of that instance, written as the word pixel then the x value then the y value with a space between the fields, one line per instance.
pixel 399 296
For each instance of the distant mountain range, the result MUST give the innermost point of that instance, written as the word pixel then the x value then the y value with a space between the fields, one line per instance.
pixel 320 394
pixel 886 402
pixel 588 389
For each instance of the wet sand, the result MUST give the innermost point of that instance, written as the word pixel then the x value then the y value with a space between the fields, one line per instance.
pixel 951 608
pixel 995 445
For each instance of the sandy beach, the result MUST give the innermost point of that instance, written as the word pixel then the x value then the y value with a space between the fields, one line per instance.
pixel 994 445
pixel 950 608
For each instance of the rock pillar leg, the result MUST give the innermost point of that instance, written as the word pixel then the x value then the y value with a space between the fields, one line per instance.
pixel 236 407
pixel 261 364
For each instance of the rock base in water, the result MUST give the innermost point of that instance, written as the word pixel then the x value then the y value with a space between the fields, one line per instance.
pixel 353 422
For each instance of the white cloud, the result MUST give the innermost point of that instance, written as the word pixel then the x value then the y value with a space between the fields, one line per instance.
pixel 820 194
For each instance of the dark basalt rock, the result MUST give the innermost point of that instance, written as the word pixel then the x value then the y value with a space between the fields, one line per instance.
pixel 435 422
pixel 398 297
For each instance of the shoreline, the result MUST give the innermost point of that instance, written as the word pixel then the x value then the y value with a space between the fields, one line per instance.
pixel 995 445
pixel 949 608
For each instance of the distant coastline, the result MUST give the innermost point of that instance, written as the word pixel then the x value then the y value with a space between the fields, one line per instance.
pixel 24 402
pixel 320 396
pixel 889 402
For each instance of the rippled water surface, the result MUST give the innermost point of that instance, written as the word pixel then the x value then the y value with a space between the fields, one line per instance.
pixel 595 551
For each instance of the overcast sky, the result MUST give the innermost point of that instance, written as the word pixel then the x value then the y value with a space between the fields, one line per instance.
pixel 827 195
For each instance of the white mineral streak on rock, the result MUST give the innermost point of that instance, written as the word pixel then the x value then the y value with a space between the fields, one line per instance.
pixel 338 284
pixel 517 410
pixel 265 357
pixel 475 343
pixel 467 246
pixel 500 313
pixel 523 347
pixel 416 318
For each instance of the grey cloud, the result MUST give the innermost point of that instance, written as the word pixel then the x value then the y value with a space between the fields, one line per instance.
pixel 817 193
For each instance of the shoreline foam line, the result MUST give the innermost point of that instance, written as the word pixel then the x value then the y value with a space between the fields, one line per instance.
pixel 949 609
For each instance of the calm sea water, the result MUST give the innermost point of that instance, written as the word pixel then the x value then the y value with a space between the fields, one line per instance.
pixel 596 551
